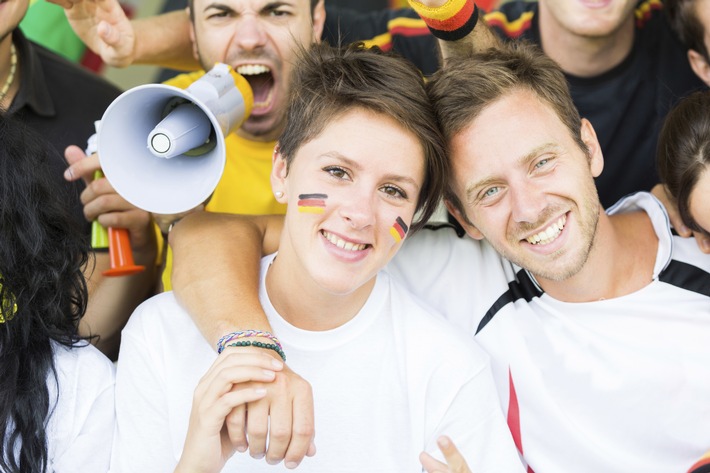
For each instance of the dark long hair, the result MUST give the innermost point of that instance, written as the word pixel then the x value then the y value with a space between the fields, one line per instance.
pixel 684 151
pixel 43 295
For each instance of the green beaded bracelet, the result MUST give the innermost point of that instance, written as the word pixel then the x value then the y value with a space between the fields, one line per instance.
pixel 268 346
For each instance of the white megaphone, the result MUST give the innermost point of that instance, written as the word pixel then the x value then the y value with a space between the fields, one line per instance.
pixel 162 148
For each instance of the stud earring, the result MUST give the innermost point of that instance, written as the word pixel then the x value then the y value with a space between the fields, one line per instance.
pixel 278 194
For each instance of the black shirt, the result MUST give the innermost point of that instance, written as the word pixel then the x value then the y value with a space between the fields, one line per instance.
pixel 61 101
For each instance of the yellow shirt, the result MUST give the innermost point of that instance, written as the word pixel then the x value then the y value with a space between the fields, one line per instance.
pixel 245 187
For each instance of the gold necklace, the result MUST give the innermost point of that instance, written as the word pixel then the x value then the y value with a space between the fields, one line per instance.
pixel 11 77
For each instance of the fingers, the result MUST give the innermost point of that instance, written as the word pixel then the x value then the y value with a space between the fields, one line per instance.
pixel 432 465
pixel 237 428
pixel 80 165
pixel 280 426
pixel 303 434
pixel 703 242
pixel 258 426
pixel 109 35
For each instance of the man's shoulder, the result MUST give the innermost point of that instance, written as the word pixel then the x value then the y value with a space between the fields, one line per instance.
pixel 513 20
pixel 71 77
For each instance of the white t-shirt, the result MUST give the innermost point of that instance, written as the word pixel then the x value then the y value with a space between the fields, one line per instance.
pixel 619 385
pixel 81 426
pixel 386 384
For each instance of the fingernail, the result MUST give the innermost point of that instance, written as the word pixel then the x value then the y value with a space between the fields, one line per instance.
pixel 257 456
pixel 260 391
pixel 68 174
pixel 684 230
pixel 443 442
pixel 269 374
pixel 291 465
pixel 241 448
pixel 706 244
pixel 273 461
pixel 277 364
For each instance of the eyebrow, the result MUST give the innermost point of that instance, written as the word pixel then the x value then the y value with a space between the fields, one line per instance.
pixel 524 160
pixel 356 165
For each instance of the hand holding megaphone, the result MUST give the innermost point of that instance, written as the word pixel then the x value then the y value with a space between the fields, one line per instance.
pixel 162 148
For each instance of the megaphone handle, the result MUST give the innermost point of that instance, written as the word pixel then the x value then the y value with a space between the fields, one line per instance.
pixel 119 246
pixel 120 254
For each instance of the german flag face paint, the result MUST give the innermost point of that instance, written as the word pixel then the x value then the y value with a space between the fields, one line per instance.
pixel 399 230
pixel 311 203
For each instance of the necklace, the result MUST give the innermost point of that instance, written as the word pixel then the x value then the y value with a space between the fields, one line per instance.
pixel 11 76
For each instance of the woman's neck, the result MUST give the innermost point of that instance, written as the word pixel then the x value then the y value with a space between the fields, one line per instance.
pixel 303 303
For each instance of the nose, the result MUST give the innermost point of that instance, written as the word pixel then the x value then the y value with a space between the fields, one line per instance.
pixel 250 35
pixel 527 203
pixel 358 210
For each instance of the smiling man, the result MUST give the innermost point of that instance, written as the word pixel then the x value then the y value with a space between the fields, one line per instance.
pixel 596 323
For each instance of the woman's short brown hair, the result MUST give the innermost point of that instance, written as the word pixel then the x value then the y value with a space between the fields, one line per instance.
pixel 328 82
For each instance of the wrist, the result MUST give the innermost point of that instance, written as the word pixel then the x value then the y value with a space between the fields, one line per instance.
pixel 450 22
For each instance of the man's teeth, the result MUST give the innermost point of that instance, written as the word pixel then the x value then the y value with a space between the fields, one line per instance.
pixel 252 69
pixel 345 245
pixel 549 234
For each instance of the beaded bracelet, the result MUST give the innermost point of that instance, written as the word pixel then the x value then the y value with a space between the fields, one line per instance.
pixel 246 334
pixel 450 22
pixel 268 346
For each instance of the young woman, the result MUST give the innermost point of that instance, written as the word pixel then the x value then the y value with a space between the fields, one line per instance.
pixel 684 160
pixel 56 390
pixel 360 157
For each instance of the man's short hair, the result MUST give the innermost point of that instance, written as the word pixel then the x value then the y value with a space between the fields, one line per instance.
pixel 684 151
pixel 685 22
pixel 329 82
pixel 465 87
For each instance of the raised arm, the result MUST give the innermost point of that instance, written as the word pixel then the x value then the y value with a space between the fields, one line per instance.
pixel 104 27
pixel 459 26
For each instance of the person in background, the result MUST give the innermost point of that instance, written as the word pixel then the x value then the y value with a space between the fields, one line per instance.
pixel 57 408
pixel 61 101
pixel 684 160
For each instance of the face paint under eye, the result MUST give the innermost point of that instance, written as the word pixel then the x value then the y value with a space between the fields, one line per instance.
pixel 311 203
pixel 399 230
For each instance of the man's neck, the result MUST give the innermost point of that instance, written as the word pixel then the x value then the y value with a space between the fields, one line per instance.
pixel 620 262
pixel 584 56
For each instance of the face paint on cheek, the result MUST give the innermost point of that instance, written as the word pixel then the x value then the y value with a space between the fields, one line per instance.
pixel 311 203
pixel 399 230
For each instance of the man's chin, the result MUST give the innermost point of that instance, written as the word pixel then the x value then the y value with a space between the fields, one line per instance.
pixel 261 128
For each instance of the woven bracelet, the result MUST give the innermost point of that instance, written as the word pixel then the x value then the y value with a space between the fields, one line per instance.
pixel 450 22
pixel 268 346
pixel 246 334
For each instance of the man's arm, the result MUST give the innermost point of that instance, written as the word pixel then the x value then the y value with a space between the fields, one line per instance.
pixel 104 27
pixel 458 25
pixel 216 269
pixel 215 277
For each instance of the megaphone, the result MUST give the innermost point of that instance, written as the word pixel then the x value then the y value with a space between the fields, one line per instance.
pixel 162 148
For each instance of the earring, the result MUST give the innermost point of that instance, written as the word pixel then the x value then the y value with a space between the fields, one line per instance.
pixel 278 194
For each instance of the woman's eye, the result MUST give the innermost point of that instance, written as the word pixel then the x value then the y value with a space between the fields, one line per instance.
pixel 394 191
pixel 335 171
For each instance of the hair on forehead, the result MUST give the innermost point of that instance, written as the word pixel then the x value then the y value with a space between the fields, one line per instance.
pixel 466 86
pixel 328 82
